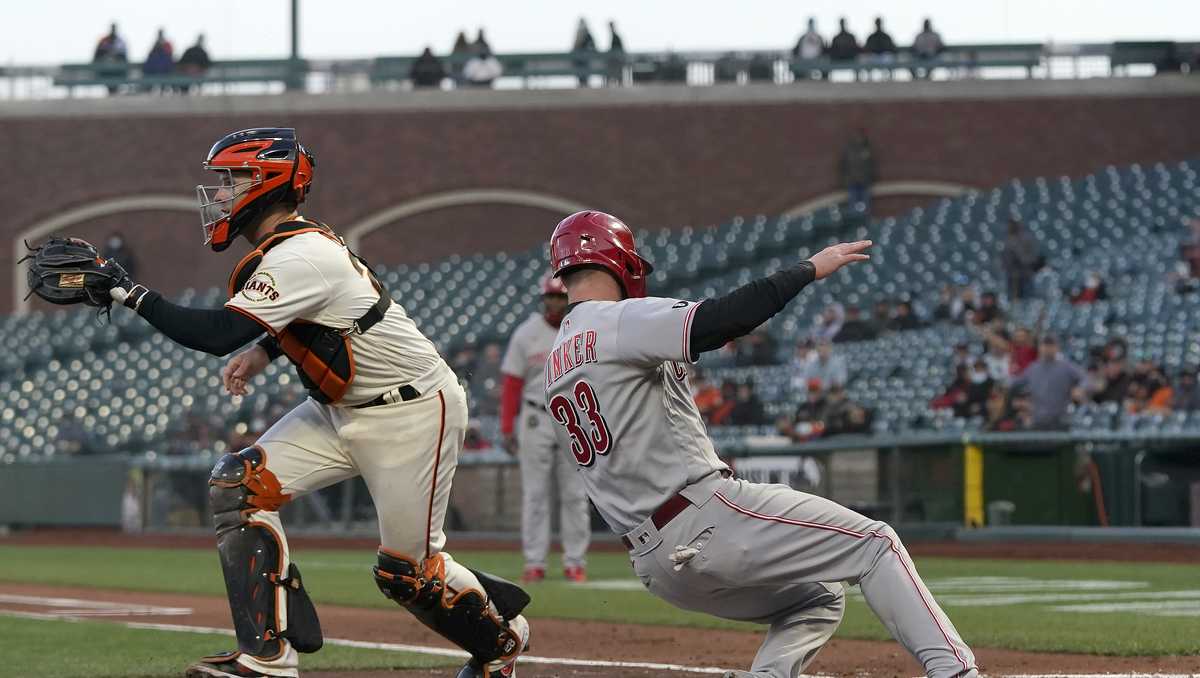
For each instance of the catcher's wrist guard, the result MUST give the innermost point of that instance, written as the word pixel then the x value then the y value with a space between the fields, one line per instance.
pixel 129 294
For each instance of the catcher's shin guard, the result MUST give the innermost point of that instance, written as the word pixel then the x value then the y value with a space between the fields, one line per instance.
pixel 462 617
pixel 266 595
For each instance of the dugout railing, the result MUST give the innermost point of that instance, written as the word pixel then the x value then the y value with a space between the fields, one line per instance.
pixel 936 483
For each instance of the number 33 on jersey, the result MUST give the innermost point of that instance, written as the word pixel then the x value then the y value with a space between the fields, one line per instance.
pixel 616 383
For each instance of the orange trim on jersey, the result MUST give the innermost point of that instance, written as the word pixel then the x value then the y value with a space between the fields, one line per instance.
pixel 271 331
pixel 437 459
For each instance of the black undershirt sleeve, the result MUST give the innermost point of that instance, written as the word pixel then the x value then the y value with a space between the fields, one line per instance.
pixel 719 320
pixel 218 331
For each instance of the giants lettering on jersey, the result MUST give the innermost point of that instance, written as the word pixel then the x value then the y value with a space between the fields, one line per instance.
pixel 577 350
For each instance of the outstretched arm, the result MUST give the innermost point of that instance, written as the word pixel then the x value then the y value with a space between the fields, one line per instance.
pixel 738 313
pixel 218 331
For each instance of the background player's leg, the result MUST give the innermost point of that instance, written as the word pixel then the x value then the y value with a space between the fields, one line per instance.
pixel 575 514
pixel 272 616
pixel 537 462
pixel 407 454
pixel 771 534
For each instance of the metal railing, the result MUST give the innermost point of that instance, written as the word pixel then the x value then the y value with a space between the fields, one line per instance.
pixel 567 69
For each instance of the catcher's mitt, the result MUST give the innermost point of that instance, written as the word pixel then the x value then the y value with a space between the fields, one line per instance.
pixel 70 271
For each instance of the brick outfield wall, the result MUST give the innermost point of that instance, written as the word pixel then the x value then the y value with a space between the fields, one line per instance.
pixel 654 165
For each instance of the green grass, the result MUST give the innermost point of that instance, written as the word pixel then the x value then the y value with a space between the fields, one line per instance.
pixel 343 577
pixel 62 649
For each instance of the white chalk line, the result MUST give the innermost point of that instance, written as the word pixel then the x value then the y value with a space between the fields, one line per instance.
pixel 529 659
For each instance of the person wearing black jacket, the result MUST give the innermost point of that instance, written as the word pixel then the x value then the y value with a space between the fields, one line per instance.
pixel 427 70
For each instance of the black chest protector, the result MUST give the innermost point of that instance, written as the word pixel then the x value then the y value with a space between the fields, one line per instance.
pixel 322 355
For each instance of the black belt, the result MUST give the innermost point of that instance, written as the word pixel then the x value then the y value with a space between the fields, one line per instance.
pixel 406 393
pixel 663 514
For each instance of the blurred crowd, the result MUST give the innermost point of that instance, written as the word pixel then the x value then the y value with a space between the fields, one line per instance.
pixel 112 53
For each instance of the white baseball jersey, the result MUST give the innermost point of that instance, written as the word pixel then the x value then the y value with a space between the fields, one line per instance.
pixel 526 354
pixel 616 383
pixel 311 277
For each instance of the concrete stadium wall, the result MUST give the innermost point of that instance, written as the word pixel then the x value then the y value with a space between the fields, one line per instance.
pixel 665 156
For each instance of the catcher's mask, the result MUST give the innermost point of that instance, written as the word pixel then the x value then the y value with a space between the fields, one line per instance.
pixel 258 168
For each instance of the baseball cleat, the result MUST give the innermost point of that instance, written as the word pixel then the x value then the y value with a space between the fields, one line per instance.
pixel 576 574
pixel 533 574
pixel 499 669
pixel 225 665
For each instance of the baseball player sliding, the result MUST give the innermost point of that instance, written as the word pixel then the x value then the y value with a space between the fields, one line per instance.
pixel 616 384
pixel 382 404
pixel 543 468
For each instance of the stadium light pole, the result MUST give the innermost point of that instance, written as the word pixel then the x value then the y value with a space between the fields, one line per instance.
pixel 296 82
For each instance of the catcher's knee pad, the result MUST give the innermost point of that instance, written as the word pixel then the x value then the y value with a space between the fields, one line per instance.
pixel 462 617
pixel 268 602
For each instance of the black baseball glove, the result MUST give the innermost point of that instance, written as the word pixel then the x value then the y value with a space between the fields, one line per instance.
pixel 70 271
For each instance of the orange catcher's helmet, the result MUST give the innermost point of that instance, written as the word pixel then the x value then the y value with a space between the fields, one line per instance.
pixel 259 168
pixel 599 239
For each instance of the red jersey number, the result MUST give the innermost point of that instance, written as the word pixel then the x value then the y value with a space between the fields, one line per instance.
pixel 585 445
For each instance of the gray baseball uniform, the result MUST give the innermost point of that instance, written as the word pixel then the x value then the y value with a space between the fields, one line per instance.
pixel 543 468
pixel 616 383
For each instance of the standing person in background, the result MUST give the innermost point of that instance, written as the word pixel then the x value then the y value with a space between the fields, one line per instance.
pixel 458 56
pixel 857 170
pixel 544 466
pixel 616 57
pixel 584 48
pixel 881 47
pixel 1052 381
pixel 194 63
pixel 1021 259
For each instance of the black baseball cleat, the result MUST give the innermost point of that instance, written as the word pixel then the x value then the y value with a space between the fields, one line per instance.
pixel 225 665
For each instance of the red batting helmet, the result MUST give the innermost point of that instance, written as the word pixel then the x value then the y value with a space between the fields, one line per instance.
pixel 603 240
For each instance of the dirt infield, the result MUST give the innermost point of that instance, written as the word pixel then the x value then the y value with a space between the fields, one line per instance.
pixel 1111 551
pixel 595 641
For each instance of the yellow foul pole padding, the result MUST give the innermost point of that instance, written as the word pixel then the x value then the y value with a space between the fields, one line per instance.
pixel 972 485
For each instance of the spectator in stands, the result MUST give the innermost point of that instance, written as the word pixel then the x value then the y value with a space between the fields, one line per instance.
pixel 720 416
pixel 459 54
pixel 1116 380
pixel 926 46
pixel 904 319
pixel 747 408
pixel 844 46
pixel 804 349
pixel 583 49
pixel 979 386
pixel 706 394
pixel 1187 392
pixel 1021 260
pixel 857 168
pixel 760 69
pixel 482 69
pixel 809 420
pixel 962 355
pixel 989 310
pixel 111 54
pixel 115 248
pixel 161 60
pixel 823 367
pixel 481 46
pixel 855 328
pixel 947 300
pixel 967 303
pixel 1187 272
pixel 827 325
pixel 1149 394
pixel 880 47
pixel 756 349
pixel 485 381
pixel 881 316
pixel 843 415
pixel 956 391
pixel 727 67
pixel 1012 414
pixel 195 62
pixel 1116 349
pixel 427 70
pixel 1093 290
pixel 810 47
pixel 1023 350
pixel 111 48
pixel 1053 382
pixel 673 69
pixel 998 360
pixel 616 57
